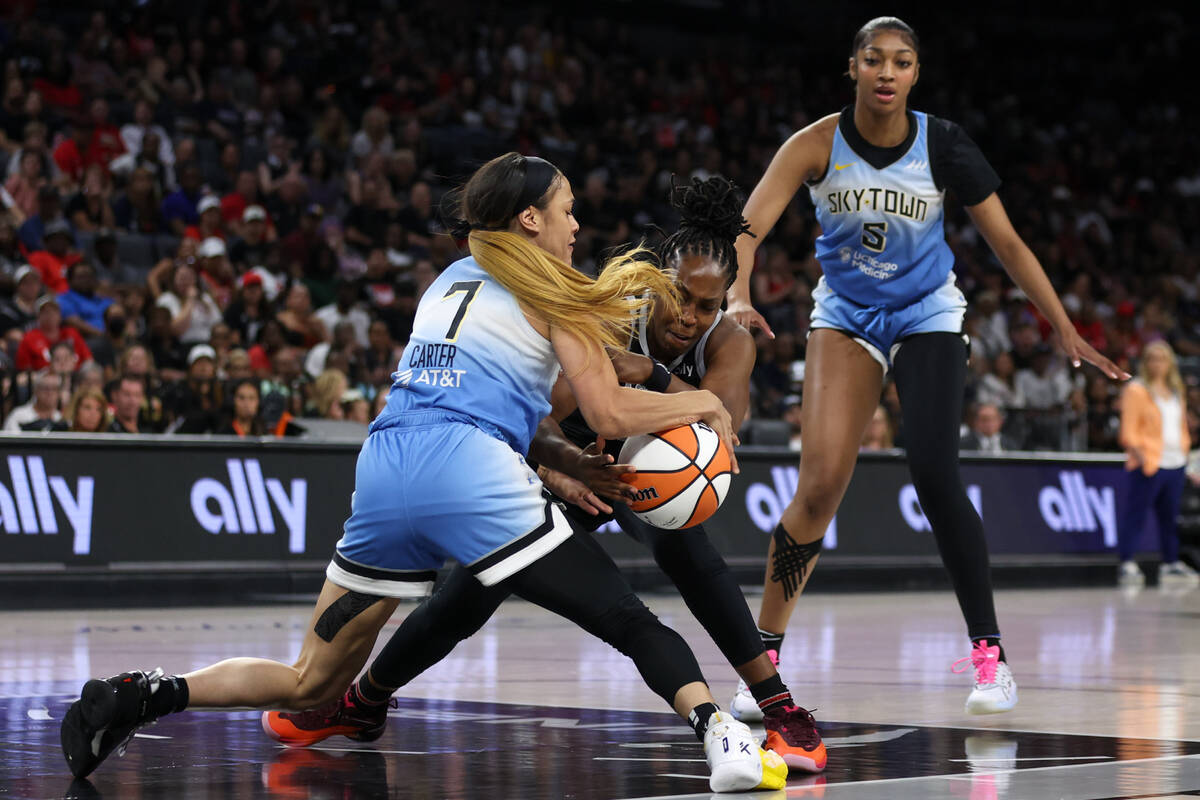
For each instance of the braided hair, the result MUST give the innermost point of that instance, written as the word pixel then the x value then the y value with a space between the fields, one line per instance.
pixel 711 220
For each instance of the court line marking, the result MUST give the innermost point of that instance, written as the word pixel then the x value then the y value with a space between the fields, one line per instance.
pixel 959 776
pixel 149 736
pixel 1033 758
pixel 630 758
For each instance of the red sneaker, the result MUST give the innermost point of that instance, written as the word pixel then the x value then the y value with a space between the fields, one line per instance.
pixel 362 723
pixel 792 733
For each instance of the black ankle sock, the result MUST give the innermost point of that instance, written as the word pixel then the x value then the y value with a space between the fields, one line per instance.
pixel 771 693
pixel 771 641
pixel 367 693
pixel 170 697
pixel 992 641
pixel 699 718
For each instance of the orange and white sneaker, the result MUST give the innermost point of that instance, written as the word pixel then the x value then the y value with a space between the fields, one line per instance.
pixel 792 733
pixel 362 723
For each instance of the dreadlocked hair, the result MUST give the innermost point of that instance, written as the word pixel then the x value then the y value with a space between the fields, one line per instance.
pixel 710 222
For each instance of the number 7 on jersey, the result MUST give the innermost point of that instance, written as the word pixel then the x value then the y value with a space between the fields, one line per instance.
pixel 468 289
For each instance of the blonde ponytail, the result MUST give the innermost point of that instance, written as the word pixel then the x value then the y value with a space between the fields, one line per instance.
pixel 601 310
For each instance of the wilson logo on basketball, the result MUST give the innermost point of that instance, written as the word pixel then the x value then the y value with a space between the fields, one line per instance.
pixel 682 475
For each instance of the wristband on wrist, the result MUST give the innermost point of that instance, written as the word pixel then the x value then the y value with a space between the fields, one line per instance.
pixel 659 378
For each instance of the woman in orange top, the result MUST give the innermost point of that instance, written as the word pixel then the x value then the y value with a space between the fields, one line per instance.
pixel 1154 433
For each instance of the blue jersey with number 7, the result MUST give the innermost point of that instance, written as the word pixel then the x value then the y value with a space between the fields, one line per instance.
pixel 882 243
pixel 473 352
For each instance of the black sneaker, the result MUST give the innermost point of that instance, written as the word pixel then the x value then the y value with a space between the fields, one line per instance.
pixel 105 717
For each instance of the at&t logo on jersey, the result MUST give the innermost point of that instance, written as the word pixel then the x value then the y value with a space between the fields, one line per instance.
pixel 27 502
pixel 432 365
pixel 242 504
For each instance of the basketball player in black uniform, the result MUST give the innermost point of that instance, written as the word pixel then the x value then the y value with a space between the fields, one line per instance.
pixel 701 349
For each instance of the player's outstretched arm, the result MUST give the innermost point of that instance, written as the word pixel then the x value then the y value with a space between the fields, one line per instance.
pixel 617 412
pixel 1022 265
pixel 802 157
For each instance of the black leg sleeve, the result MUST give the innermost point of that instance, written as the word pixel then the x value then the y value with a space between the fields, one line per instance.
pixel 705 583
pixel 459 607
pixel 930 371
pixel 577 580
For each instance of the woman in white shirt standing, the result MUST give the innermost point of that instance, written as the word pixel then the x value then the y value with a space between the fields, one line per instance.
pixel 1154 433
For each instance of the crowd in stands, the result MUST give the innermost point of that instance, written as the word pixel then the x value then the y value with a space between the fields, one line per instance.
pixel 221 219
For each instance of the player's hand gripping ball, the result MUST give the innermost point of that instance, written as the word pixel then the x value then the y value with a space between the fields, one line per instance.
pixel 682 475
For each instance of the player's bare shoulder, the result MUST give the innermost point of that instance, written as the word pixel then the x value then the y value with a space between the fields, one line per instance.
pixel 730 344
pixel 808 148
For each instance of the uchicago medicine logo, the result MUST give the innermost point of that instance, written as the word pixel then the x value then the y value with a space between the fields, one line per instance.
pixel 27 502
pixel 243 503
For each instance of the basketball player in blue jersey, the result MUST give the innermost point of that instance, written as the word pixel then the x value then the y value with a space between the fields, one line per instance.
pixel 878 173
pixel 442 476
pixel 698 348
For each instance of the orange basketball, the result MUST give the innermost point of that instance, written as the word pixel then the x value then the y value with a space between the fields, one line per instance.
pixel 682 475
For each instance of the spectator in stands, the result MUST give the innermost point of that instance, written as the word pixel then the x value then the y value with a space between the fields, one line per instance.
pixel 181 207
pixel 143 124
pixel 419 218
pixel 235 203
pixel 193 310
pixel 348 353
pixel 128 399
pixel 111 271
pixel 194 404
pixel 238 366
pixel 138 210
pixel 382 354
pixel 245 419
pixel 369 217
pixel 221 342
pixel 301 327
pixel 70 154
pixel 107 347
pixel 211 225
pixel 19 312
pixel 105 142
pixel 373 137
pixel 346 308
pixel 149 159
pixel 81 307
pixel 1044 385
pixel 985 434
pixel 249 310
pixel 169 353
pixel 215 271
pixel 355 407
pixel 878 434
pixel 324 399
pixel 793 417
pixel 34 351
pixel 325 188
pixel 24 185
pixel 52 261
pixel 999 387
pixel 252 249
pixel 42 411
pixel 64 362
pixel 88 412
pixel 89 208
pixel 49 208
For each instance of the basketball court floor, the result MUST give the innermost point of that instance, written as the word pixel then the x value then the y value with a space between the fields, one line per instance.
pixel 533 708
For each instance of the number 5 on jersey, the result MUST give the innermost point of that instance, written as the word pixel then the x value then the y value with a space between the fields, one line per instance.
pixel 874 236
pixel 468 289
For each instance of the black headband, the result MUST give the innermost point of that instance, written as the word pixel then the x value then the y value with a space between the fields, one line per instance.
pixel 539 174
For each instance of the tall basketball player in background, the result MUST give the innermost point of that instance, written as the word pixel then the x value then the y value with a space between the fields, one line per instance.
pixel 878 173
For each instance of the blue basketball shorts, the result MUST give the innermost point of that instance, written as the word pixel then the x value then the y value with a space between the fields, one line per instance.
pixel 881 331
pixel 432 488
